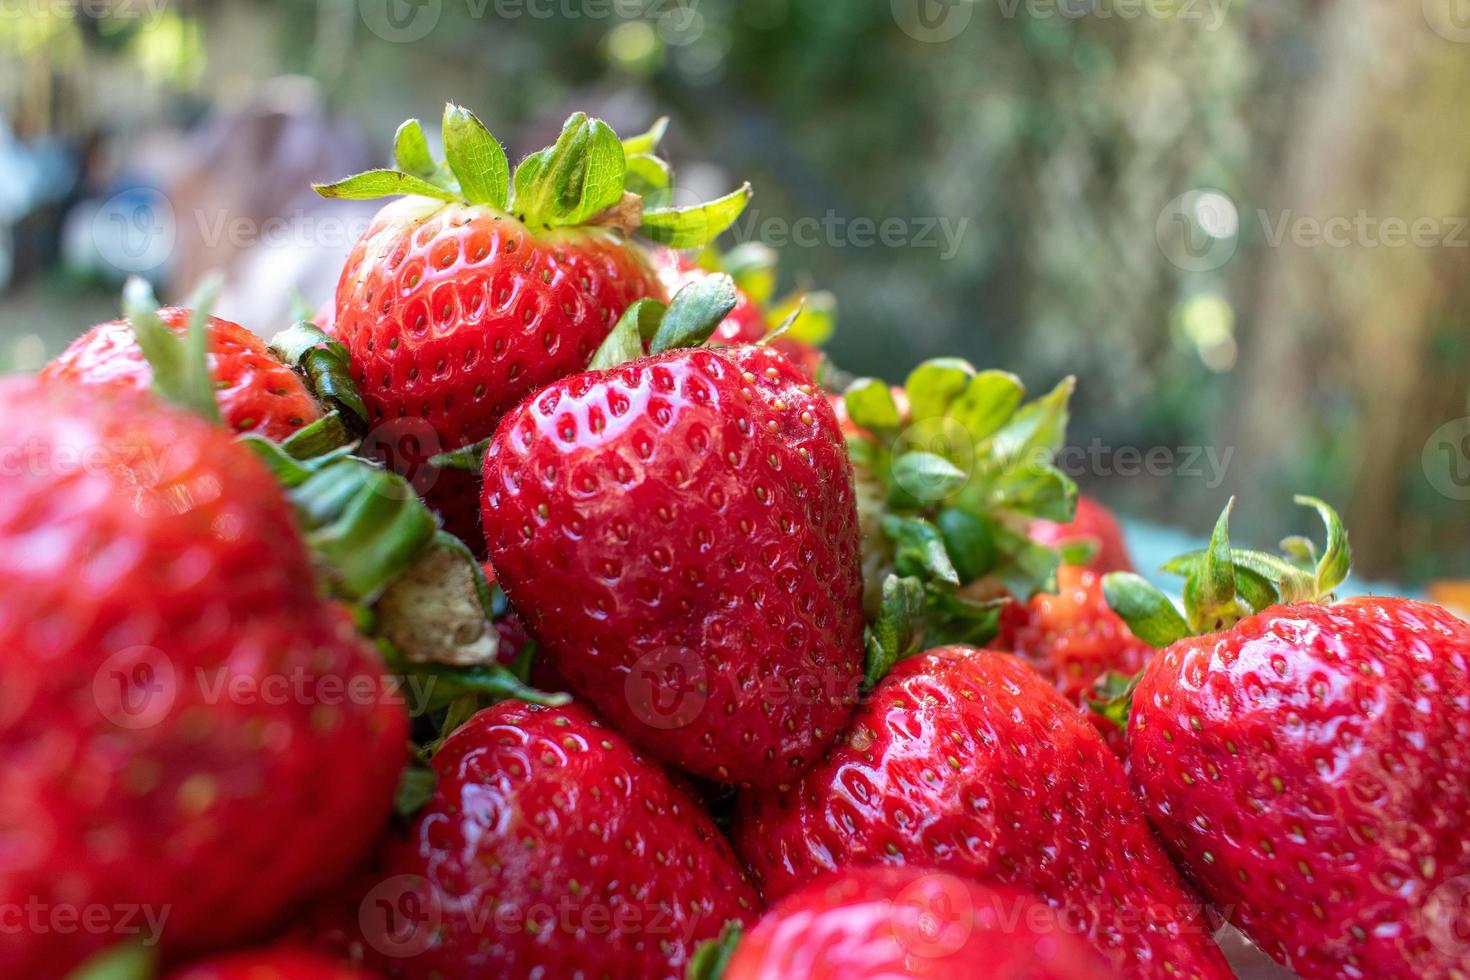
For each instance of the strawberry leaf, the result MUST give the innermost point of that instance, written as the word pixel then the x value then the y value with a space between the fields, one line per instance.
pixel 934 384
pixel 918 549
pixel 925 478
pixel 476 158
pixel 813 316
pixel 627 337
pixel 696 225
pixel 411 152
pixel 988 401
pixel 694 313
pixel 647 142
pixel 1148 612
pixel 1209 594
pixel 870 405
pixel 969 541
pixel 753 267
pixel 713 955
pixel 383 183
pixel 324 364
pixel 180 364
pixel 580 175
pixel 650 178
pixel 898 630
pixel 1336 561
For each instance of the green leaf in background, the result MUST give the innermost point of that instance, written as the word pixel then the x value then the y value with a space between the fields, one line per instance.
pixel 919 550
pixel 694 313
pixel 753 267
pixel 180 364
pixel 869 403
pixel 696 225
pixel 411 152
pixel 476 158
pixel 647 142
pixel 934 384
pixel 1040 490
pixel 128 961
pixel 1113 696
pixel 1038 430
pixel 898 630
pixel 1025 567
pixel 713 955
pixel 415 789
pixel 383 183
pixel 1148 612
pixel 813 316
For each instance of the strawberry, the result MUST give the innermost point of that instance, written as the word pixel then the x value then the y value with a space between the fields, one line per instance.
pixel 1074 639
pixel 178 699
pixel 967 761
pixel 551 848
pixel 255 391
pixel 681 534
pixel 1307 760
pixel 1094 532
pixel 479 288
pixel 278 963
pixel 885 923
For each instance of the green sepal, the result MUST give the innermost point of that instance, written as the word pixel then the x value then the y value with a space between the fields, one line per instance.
pixel 575 178
pixel 180 364
pixel 411 152
pixel 1336 560
pixel 1114 697
pixel 634 329
pixel 415 790
pixel 650 178
pixel 491 682
pixel 1209 594
pixel 694 313
pixel 324 364
pixel 898 630
pixel 934 384
pixel 647 142
pixel 320 437
pixel 371 184
pixel 924 478
pixel 477 159
pixel 1149 613
pixel 870 405
pixel 812 316
pixel 919 549
pixel 969 540
pixel 712 957
pixel 951 618
pixel 1078 551
pixel 364 524
pixel 1025 567
pixel 696 225
pixel 469 458
pixel 989 399
pixel 1034 488
pixel 1037 430
pixel 126 961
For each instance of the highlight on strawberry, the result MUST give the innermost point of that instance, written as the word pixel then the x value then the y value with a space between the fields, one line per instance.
pixel 1304 757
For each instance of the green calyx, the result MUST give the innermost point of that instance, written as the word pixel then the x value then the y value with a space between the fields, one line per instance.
pixel 689 319
pixel 588 177
pixel 180 364
pixel 805 315
pixel 1223 584
pixel 712 958
pixel 950 475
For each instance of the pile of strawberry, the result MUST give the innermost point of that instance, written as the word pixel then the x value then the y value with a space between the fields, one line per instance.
pixel 553 608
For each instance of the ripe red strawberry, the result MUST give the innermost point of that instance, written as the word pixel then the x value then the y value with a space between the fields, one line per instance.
pixel 966 761
pixel 255 391
pixel 551 848
pixel 475 291
pixel 681 534
pixel 280 963
pixel 1073 638
pixel 1094 528
pixel 886 923
pixel 178 700
pixel 1308 764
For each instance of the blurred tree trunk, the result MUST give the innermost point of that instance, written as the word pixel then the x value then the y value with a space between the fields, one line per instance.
pixel 1355 325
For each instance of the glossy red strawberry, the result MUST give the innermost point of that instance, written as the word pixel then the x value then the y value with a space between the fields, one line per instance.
pixel 1073 638
pixel 893 922
pixel 1309 767
pixel 176 706
pixel 281 963
pixel 551 848
pixel 255 391
pixel 476 290
pixel 1094 527
pixel 966 761
pixel 745 324
pixel 681 534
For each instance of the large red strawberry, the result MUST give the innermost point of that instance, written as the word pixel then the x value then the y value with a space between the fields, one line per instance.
pixel 681 534
pixel 887 923
pixel 551 848
pixel 967 761
pixel 1309 761
pixel 479 288
pixel 1073 638
pixel 255 391
pixel 278 963
pixel 1094 530
pixel 178 702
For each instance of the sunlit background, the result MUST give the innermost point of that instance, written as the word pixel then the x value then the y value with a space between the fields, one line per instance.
pixel 1242 225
